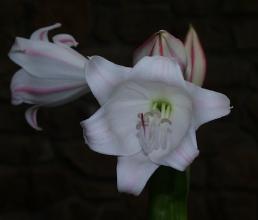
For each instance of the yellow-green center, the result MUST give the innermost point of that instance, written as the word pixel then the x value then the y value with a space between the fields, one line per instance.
pixel 163 106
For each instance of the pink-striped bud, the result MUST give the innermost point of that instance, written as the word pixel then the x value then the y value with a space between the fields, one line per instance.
pixel 190 57
pixel 162 43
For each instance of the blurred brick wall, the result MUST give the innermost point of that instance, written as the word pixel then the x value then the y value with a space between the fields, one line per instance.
pixel 53 175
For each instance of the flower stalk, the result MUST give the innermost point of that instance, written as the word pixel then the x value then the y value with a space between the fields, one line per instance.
pixel 168 194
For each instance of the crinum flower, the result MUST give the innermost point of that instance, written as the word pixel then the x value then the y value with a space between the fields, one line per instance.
pixel 190 55
pixel 52 72
pixel 148 117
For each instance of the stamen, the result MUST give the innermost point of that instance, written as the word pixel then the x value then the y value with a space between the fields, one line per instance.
pixel 155 105
pixel 162 106
pixel 165 120
pixel 167 111
pixel 163 109
pixel 154 127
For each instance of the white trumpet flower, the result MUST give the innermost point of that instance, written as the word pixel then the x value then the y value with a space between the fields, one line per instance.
pixel 52 72
pixel 148 117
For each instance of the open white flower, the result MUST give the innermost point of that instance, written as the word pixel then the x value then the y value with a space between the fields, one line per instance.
pixel 52 72
pixel 148 117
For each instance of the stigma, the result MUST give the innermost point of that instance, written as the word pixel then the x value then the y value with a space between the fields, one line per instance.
pixel 154 127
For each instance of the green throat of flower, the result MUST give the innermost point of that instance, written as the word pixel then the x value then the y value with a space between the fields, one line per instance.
pixel 162 106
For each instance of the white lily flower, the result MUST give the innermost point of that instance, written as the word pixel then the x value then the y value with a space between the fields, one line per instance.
pixel 52 73
pixel 190 56
pixel 148 117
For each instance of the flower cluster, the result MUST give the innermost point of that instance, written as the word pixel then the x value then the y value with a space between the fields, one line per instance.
pixel 149 113
pixel 52 73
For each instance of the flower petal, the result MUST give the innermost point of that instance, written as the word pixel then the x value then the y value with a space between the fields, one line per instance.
pixel 159 69
pixel 133 173
pixel 162 44
pixel 184 154
pixel 112 129
pixel 42 33
pixel 43 92
pixel 99 136
pixel 196 64
pixel 31 117
pixel 33 90
pixel 103 76
pixel 65 40
pixel 48 60
pixel 207 105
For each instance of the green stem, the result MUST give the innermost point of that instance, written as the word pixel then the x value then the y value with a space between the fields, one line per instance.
pixel 168 194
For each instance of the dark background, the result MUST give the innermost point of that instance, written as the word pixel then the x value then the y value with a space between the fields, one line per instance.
pixel 53 175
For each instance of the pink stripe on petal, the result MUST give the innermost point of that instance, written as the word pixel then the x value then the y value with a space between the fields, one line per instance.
pixel 203 58
pixel 192 59
pixel 41 34
pixel 65 40
pixel 42 91
pixel 31 52
pixel 160 46
pixel 196 69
